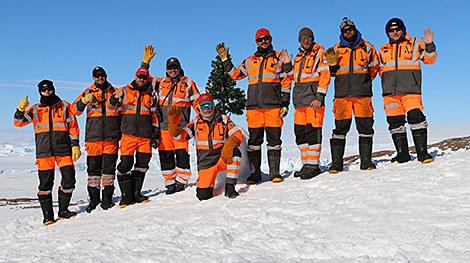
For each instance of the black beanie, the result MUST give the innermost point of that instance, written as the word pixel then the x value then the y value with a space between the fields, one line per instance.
pixel 173 61
pixel 98 71
pixel 395 22
pixel 45 83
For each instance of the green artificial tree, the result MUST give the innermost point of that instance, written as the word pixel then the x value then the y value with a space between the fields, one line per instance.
pixel 230 99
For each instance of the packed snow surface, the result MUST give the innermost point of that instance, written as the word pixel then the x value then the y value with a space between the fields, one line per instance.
pixel 398 213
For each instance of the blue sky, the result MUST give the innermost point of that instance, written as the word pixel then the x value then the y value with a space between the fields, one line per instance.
pixel 64 40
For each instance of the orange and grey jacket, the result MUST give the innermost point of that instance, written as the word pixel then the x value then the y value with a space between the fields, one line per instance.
pixel 103 123
pixel 356 69
pixel 138 111
pixel 311 76
pixel 400 66
pixel 181 92
pixel 268 84
pixel 55 128
pixel 210 137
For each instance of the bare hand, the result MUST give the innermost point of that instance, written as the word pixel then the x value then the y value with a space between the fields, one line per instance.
pixel 285 58
pixel 315 104
pixel 118 94
pixel 428 36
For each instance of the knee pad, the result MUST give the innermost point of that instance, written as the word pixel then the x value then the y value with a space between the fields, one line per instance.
pixel 126 164
pixel 204 193
pixel 68 177
pixel 182 158
pixel 415 116
pixel 395 122
pixel 299 131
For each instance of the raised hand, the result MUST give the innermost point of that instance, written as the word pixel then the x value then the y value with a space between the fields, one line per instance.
pixel 285 58
pixel 222 51
pixel 149 53
pixel 428 36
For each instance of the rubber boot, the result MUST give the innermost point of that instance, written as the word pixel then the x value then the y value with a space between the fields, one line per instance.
pixel 365 153
pixel 64 201
pixel 138 181
pixel 420 138
pixel 274 162
pixel 299 173
pixel 337 153
pixel 179 186
pixel 47 210
pixel 94 194
pixel 255 167
pixel 171 189
pixel 107 197
pixel 204 193
pixel 401 145
pixel 310 171
pixel 127 190
pixel 230 191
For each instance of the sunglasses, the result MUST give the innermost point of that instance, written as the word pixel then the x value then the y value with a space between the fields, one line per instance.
pixel 207 106
pixel 396 29
pixel 44 89
pixel 171 67
pixel 99 76
pixel 144 77
pixel 261 39
pixel 347 30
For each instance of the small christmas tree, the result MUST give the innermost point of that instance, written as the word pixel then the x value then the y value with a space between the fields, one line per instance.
pixel 230 99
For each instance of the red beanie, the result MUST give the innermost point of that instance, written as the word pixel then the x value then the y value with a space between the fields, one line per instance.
pixel 142 71
pixel 261 33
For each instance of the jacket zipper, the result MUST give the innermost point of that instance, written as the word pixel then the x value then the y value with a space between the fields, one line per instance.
pixel 137 113
pixel 103 114
pixel 396 68
pixel 351 69
pixel 51 127
pixel 302 62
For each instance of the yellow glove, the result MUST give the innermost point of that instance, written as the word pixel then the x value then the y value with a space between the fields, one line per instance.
pixel 222 51
pixel 283 112
pixel 149 53
pixel 227 150
pixel 174 117
pixel 23 105
pixel 76 153
pixel 332 57
pixel 88 98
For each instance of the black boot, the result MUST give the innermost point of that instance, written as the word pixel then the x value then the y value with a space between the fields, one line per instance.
pixel 64 201
pixel 138 181
pixel 274 162
pixel 365 152
pixel 420 138
pixel 127 190
pixel 255 167
pixel 299 173
pixel 171 189
pixel 94 194
pixel 401 145
pixel 337 153
pixel 310 171
pixel 179 186
pixel 204 193
pixel 107 196
pixel 230 191
pixel 47 211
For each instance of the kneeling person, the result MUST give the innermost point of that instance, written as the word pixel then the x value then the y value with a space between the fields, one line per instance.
pixel 217 140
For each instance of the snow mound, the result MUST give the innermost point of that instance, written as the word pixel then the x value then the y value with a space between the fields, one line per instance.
pixel 398 213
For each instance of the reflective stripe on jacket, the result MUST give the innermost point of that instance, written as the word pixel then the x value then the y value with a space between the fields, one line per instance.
pixel 181 93
pixel 356 69
pixel 311 76
pixel 138 111
pixel 103 123
pixel 55 128
pixel 268 84
pixel 210 137
pixel 400 66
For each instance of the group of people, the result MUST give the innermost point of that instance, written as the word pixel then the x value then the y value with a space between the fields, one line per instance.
pixel 156 112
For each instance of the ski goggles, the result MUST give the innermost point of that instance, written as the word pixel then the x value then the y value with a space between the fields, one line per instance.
pixel 207 105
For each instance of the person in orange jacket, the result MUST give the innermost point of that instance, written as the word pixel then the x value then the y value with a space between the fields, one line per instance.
pixel 353 63
pixel 56 134
pixel 267 100
pixel 175 89
pixel 311 76
pixel 140 130
pixel 217 140
pixel 102 135
pixel 400 70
